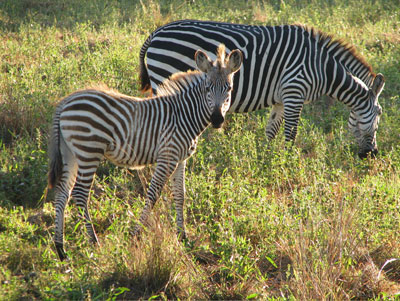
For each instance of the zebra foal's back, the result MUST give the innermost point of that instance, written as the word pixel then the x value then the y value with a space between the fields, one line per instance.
pixel 105 123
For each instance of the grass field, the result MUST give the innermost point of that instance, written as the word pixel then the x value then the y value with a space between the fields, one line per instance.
pixel 263 222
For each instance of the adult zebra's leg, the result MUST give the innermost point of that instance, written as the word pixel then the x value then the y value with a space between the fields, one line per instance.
pixel 178 190
pixel 164 169
pixel 291 114
pixel 275 121
pixel 63 193
pixel 80 194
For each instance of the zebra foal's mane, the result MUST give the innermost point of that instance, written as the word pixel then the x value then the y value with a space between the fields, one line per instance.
pixel 98 89
pixel 179 82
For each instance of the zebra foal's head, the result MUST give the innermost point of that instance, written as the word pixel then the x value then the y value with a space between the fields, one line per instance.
pixel 219 81
pixel 364 121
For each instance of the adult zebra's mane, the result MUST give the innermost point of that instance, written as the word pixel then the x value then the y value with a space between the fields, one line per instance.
pixel 343 48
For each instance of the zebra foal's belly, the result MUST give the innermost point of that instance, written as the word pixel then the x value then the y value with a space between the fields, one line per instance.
pixel 130 157
pixel 130 165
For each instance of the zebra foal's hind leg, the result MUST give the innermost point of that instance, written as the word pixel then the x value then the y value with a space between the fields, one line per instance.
pixel 63 194
pixel 81 193
pixel 178 191
pixel 275 121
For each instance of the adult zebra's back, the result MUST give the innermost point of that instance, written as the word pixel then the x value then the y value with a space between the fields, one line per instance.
pixel 283 67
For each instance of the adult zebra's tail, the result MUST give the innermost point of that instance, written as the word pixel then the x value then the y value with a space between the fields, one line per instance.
pixel 55 164
pixel 144 75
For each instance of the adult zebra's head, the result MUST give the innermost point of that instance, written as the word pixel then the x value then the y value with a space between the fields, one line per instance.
pixel 219 81
pixel 363 121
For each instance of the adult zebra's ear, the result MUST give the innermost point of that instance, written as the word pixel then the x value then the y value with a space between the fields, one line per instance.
pixel 234 60
pixel 203 62
pixel 378 84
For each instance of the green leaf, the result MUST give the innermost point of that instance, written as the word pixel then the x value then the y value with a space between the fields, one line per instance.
pixel 271 261
pixel 252 296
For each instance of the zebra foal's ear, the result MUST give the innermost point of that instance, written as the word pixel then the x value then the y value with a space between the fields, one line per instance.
pixel 234 60
pixel 202 61
pixel 378 84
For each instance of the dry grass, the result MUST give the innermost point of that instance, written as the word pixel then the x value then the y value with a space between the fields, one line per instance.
pixel 155 264
pixel 328 260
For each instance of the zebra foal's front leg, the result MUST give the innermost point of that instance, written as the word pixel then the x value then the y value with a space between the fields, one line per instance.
pixel 178 190
pixel 165 168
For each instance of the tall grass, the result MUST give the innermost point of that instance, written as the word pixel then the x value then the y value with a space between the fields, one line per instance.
pixel 263 220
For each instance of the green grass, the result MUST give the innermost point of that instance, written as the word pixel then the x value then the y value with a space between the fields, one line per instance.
pixel 312 222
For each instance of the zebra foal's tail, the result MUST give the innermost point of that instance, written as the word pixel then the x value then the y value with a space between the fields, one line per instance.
pixel 55 164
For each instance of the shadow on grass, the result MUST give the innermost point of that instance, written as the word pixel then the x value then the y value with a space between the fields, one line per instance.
pixel 64 14
pixel 21 188
pixel 23 178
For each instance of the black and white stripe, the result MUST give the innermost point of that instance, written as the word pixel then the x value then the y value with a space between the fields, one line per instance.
pixel 94 124
pixel 283 67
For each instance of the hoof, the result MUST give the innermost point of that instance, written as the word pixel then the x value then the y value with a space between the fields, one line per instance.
pixel 95 242
pixel 136 232
pixel 182 236
pixel 60 251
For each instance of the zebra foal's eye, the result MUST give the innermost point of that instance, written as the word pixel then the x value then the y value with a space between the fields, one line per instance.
pixel 228 87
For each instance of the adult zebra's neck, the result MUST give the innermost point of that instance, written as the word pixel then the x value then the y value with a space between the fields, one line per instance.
pixel 347 88
pixel 344 54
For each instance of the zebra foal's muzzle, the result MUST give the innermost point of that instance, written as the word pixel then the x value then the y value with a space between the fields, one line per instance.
pixel 218 114
pixel 217 119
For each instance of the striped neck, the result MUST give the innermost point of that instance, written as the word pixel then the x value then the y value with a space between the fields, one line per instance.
pixel 186 94
pixel 350 90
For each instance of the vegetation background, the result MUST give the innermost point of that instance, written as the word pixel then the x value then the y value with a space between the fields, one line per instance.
pixel 311 223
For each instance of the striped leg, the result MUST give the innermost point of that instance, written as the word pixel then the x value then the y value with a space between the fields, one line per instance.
pixel 275 120
pixel 63 193
pixel 178 190
pixel 81 192
pixel 162 173
pixel 292 110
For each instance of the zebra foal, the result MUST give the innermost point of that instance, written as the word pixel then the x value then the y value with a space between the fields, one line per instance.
pixel 283 67
pixel 91 125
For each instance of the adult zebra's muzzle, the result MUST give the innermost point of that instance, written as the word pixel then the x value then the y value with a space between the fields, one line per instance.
pixel 364 153
pixel 217 119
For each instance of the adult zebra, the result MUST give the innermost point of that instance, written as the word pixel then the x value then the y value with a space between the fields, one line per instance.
pixel 283 67
pixel 90 125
